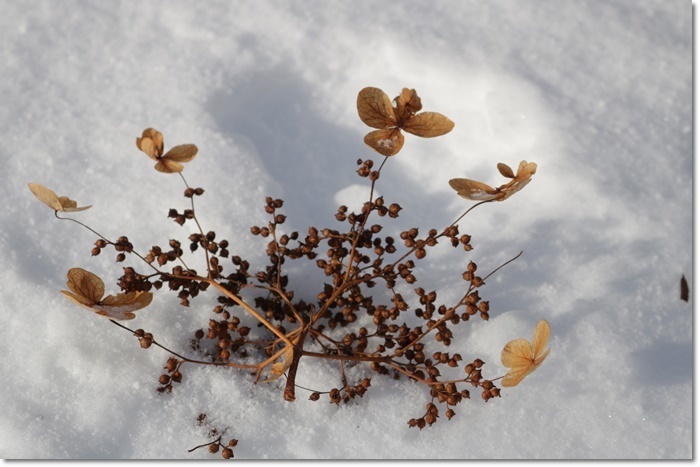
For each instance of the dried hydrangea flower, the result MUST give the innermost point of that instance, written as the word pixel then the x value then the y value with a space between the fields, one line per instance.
pixel 87 291
pixel 55 202
pixel 522 358
pixel 477 191
pixel 151 143
pixel 375 110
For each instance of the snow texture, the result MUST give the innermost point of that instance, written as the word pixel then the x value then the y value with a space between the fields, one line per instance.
pixel 597 93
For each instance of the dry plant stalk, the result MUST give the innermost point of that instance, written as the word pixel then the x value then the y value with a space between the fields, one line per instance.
pixel 345 323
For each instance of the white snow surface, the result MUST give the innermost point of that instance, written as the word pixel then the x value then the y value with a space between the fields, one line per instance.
pixel 598 94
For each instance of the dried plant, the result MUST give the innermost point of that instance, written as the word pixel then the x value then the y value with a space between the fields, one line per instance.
pixel 346 323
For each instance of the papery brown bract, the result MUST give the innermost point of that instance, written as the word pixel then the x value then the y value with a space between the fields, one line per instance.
pixel 279 368
pixel 522 358
pixel 151 143
pixel 375 110
pixel 478 191
pixel 55 202
pixel 87 291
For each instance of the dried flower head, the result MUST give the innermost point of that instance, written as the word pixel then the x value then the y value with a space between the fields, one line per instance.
pixel 478 191
pixel 151 143
pixel 88 290
pixel 523 358
pixel 375 110
pixel 55 202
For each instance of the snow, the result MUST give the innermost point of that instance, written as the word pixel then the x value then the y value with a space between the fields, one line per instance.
pixel 598 94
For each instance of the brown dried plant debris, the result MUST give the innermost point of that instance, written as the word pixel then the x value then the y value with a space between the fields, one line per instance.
pixel 477 191
pixel 522 357
pixel 55 202
pixel 151 142
pixel 279 368
pixel 376 110
pixel 88 290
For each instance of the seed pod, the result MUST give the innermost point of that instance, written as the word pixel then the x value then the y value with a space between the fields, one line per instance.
pixel 171 365
pixel 227 453
pixel 214 448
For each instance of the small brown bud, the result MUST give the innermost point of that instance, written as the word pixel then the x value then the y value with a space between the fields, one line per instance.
pixel 164 379
pixel 214 448
pixel 96 251
pixel 314 396
pixel 121 257
pixel 227 453
pixel 177 376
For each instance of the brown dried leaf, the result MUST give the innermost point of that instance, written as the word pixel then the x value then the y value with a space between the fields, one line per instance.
pixel 52 200
pixel 375 109
pixel 385 142
pixel 476 191
pixel 429 125
pixel 505 170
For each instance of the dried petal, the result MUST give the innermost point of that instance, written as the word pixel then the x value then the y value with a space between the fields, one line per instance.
pixel 375 109
pixel 407 103
pixel 522 358
pixel 385 142
pixel 122 305
pixel 49 198
pixel 526 170
pixel 151 142
pixel 181 153
pixel 517 354
pixel 514 187
pixel 86 284
pixel 471 189
pixel 429 125
pixel 505 170
pixel 279 368
pixel 88 289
